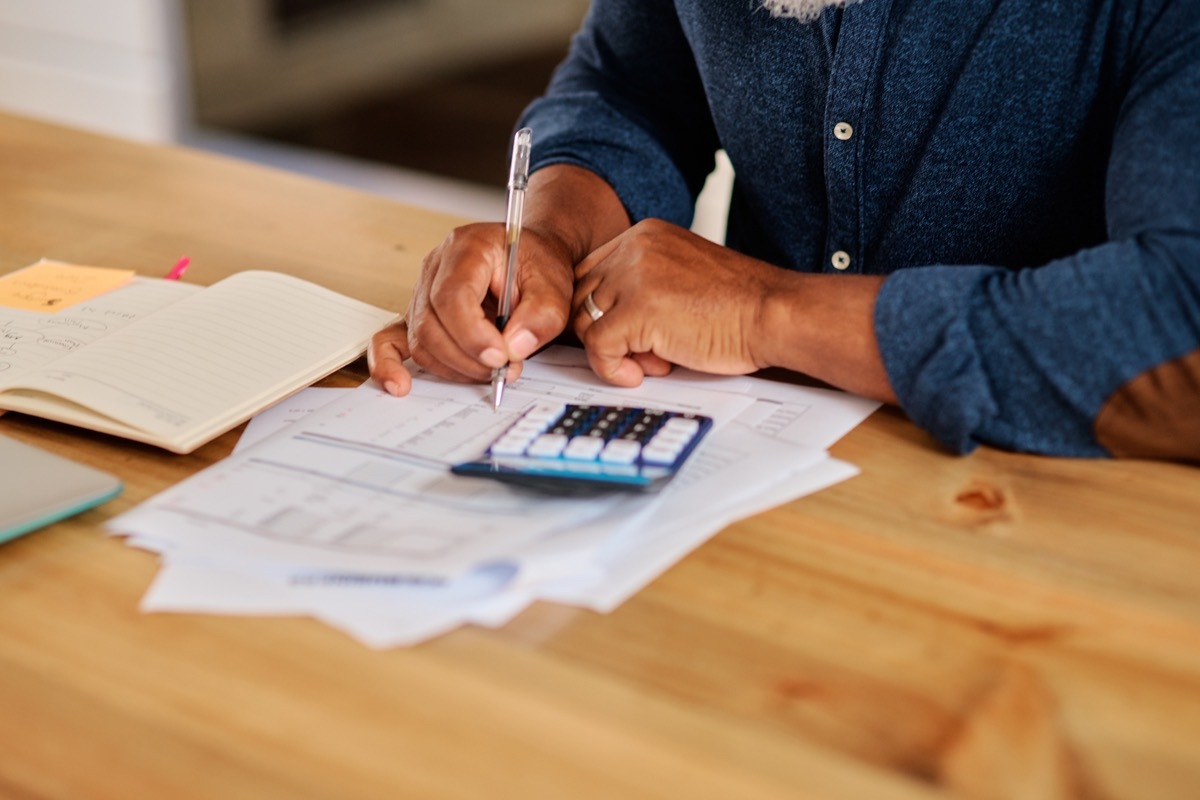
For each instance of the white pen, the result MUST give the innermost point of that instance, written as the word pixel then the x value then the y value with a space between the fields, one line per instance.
pixel 518 180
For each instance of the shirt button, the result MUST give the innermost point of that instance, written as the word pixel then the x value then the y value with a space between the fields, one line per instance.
pixel 840 260
pixel 843 131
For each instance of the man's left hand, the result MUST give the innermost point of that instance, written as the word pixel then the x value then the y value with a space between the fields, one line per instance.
pixel 668 296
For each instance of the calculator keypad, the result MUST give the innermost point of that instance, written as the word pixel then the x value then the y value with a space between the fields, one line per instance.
pixel 614 446
pixel 587 433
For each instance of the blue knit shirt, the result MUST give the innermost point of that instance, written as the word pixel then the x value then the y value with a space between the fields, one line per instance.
pixel 1026 173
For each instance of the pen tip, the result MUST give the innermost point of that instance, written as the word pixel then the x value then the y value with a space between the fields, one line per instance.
pixel 497 394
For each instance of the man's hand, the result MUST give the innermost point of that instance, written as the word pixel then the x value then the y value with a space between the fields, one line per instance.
pixel 667 296
pixel 450 326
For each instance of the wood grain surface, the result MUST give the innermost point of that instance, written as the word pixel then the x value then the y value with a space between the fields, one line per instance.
pixel 988 627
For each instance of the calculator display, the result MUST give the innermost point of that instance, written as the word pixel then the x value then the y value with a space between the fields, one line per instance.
pixel 579 448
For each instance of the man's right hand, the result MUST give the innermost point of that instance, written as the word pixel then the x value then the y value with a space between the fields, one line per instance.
pixel 450 328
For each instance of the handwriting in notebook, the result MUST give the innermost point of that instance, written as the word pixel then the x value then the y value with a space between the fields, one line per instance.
pixel 29 339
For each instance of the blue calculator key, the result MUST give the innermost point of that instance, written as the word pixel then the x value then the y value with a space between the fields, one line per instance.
pixel 578 448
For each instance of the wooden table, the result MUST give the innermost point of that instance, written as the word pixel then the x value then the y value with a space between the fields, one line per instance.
pixel 995 626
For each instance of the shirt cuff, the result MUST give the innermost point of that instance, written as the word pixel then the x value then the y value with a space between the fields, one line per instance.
pixel 931 356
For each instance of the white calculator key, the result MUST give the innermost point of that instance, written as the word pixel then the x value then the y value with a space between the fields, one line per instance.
pixel 666 443
pixel 544 415
pixel 673 436
pixel 688 426
pixel 509 446
pixel 524 430
pixel 676 439
pixel 620 451
pixel 548 445
pixel 659 454
pixel 584 448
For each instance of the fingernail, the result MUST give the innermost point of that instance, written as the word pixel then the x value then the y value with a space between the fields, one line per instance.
pixel 493 358
pixel 522 344
pixel 391 388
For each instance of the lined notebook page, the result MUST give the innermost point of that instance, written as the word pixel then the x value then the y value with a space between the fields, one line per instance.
pixel 31 339
pixel 207 362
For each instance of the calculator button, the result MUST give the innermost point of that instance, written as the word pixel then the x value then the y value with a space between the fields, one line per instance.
pixel 683 425
pixel 659 454
pixel 523 428
pixel 620 451
pixel 544 415
pixel 583 448
pixel 548 445
pixel 509 446
pixel 667 436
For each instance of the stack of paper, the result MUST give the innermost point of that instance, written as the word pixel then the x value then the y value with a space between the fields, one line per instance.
pixel 349 513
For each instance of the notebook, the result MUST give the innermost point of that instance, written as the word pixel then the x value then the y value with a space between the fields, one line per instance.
pixel 39 488
pixel 176 365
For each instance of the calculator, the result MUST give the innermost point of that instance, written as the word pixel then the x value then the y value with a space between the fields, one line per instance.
pixel 581 449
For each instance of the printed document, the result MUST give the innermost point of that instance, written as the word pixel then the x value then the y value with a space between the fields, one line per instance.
pixel 349 514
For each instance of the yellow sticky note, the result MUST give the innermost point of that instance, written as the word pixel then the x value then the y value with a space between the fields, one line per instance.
pixel 52 285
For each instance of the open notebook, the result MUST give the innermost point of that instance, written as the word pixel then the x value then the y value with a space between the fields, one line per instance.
pixel 173 364
pixel 40 488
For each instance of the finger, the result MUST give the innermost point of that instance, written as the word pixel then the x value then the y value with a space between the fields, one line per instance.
pixel 430 345
pixel 609 343
pixel 454 276
pixel 652 365
pixel 595 258
pixel 617 368
pixel 541 309
pixel 648 363
pixel 434 349
pixel 385 358
pixel 587 282
pixel 471 258
pixel 581 316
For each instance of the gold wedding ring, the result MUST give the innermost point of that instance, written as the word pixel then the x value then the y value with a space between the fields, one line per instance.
pixel 590 306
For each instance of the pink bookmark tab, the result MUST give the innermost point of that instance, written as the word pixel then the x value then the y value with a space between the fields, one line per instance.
pixel 177 271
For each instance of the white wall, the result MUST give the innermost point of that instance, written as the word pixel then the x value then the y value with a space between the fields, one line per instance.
pixel 113 66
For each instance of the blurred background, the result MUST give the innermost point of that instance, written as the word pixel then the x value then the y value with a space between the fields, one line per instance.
pixel 413 99
pixel 433 85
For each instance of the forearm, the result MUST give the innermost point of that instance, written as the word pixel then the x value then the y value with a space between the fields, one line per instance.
pixel 573 209
pixel 823 326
